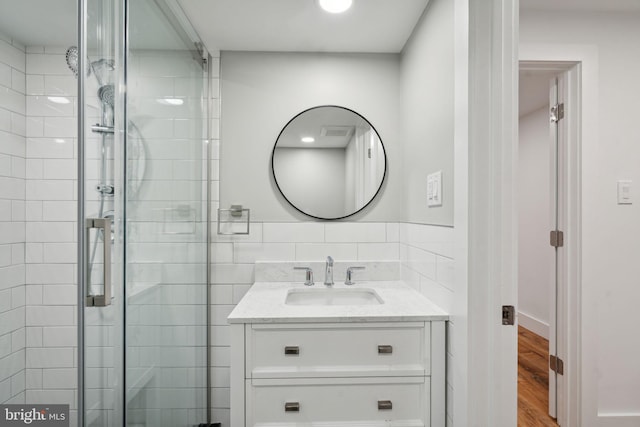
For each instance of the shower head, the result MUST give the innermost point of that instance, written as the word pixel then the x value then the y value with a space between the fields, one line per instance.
pixel 72 59
pixel 101 68
pixel 106 94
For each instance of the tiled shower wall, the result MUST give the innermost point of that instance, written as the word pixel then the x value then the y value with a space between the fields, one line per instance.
pixel 12 217
pixel 50 230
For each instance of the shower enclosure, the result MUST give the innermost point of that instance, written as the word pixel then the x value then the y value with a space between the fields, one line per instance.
pixel 142 215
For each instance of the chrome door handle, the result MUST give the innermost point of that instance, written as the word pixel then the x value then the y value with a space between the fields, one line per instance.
pixel 103 224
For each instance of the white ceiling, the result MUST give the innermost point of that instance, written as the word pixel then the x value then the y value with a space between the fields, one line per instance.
pixel 301 26
pixel 39 22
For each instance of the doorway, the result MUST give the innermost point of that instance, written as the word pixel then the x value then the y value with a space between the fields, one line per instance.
pixel 536 258
pixel 548 214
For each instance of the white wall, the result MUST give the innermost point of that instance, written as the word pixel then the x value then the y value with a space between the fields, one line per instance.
pixel 427 84
pixel 610 232
pixel 535 265
pixel 313 179
pixel 12 217
pixel 263 91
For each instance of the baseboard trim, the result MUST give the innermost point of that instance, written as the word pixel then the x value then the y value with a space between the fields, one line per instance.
pixel 533 324
pixel 619 420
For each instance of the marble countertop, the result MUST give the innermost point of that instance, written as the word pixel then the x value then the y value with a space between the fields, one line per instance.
pixel 265 303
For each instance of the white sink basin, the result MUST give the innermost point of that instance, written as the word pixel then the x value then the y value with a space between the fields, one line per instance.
pixel 332 296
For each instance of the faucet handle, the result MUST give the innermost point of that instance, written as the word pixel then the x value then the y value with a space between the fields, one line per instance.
pixel 308 276
pixel 349 274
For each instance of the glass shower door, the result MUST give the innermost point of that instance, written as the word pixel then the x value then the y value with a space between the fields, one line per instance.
pixel 165 205
pixel 142 210
pixel 100 249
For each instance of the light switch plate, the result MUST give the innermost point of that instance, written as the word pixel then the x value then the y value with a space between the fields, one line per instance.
pixel 434 189
pixel 624 192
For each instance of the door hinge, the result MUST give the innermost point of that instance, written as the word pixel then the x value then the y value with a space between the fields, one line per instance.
pixel 557 113
pixel 556 365
pixel 508 315
pixel 556 238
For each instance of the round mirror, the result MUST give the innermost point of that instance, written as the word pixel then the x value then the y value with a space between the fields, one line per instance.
pixel 329 162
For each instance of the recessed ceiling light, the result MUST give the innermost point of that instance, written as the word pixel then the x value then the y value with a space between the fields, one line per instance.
pixel 59 99
pixel 335 6
pixel 308 139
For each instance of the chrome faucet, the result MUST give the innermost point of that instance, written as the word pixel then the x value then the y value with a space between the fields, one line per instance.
pixel 328 272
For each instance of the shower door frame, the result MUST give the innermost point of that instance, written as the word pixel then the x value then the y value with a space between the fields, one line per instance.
pixel 178 21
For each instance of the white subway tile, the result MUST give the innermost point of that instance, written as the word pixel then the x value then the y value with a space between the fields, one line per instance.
pixel 51 397
pixel 50 232
pixel 252 252
pixel 320 251
pixel 33 211
pixel 59 378
pixel 5 74
pixel 438 240
pixel 18 81
pixel 18 124
pixel 5 300
pixel 5 120
pixel 421 261
pixel 50 189
pixel 393 232
pixel 42 105
pixel 378 251
pixel 18 213
pixel 34 127
pixel 33 378
pixel 59 336
pixel 444 271
pixel 35 85
pixel 222 294
pixel 307 232
pixel 59 294
pixel 18 340
pixel 18 167
pixel 440 295
pixel 40 274
pixel 239 291
pixel 362 232
pixel 12 56
pixel 12 144
pixel 47 64
pixel 59 210
pixel 5 255
pixel 50 315
pixel 232 273
pixel 34 253
pixel 18 253
pixel 18 297
pixel 60 127
pixel 48 148
pixel 61 85
pixel 5 210
pixel 34 336
pixel 59 169
pixel 12 100
pixel 222 253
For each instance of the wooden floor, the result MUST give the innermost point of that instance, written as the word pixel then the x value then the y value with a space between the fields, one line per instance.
pixel 533 380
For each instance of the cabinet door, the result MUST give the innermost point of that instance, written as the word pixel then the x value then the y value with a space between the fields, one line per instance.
pixel 339 402
pixel 290 351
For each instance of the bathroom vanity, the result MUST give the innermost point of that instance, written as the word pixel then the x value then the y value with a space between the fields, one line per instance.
pixel 370 354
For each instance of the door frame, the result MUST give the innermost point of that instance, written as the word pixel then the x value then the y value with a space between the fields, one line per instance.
pixel 578 64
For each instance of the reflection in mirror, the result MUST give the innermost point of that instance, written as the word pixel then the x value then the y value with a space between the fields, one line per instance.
pixel 329 162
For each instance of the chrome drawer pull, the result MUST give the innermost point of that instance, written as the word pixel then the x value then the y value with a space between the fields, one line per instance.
pixel 384 405
pixel 385 349
pixel 292 350
pixel 292 407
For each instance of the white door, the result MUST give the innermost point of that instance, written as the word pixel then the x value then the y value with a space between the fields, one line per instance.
pixel 557 299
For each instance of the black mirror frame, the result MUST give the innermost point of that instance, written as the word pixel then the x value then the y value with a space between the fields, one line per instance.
pixel 384 175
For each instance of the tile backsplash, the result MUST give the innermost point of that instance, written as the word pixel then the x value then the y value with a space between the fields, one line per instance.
pixel 420 255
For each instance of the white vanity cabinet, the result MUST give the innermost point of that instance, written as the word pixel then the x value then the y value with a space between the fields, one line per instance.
pixel 344 373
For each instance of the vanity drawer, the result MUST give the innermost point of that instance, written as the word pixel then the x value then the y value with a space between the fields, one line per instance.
pixel 365 401
pixel 336 350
